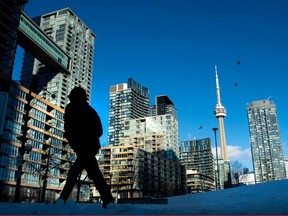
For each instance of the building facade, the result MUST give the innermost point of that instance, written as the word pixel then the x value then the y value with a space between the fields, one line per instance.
pixel 223 174
pixel 197 157
pixel 34 156
pixel 131 118
pixel 133 172
pixel 247 179
pixel 35 125
pixel 10 11
pixel 127 101
pixel 165 113
pixel 73 36
pixel 155 134
pixel 266 143
pixel 164 105
pixel 151 132
pixel 145 133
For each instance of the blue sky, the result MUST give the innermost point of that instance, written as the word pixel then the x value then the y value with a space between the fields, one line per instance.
pixel 171 46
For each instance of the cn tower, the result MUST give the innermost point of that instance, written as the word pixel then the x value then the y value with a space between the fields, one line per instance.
pixel 220 114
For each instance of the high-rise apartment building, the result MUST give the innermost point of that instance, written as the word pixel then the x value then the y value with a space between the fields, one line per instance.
pixel 265 139
pixel 34 155
pixel 74 37
pixel 166 114
pixel 130 116
pixel 197 157
pixel 155 134
pixel 145 133
pixel 133 126
pixel 127 101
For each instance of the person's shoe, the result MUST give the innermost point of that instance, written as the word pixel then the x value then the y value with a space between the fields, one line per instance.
pixel 59 201
pixel 106 202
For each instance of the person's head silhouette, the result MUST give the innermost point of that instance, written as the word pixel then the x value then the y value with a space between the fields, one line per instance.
pixel 78 94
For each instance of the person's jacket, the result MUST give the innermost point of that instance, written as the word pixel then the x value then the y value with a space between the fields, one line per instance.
pixel 83 128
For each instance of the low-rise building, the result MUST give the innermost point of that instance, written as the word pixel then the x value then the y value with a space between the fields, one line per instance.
pixel 197 157
pixel 134 172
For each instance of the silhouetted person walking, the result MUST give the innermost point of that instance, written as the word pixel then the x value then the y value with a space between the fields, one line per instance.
pixel 83 128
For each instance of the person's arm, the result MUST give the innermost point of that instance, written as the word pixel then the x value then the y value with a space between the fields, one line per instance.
pixel 95 123
pixel 67 123
pixel 69 133
pixel 98 127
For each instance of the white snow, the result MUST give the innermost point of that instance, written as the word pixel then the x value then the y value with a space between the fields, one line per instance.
pixel 265 198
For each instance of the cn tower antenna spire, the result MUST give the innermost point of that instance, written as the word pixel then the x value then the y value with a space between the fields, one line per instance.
pixel 220 114
pixel 217 87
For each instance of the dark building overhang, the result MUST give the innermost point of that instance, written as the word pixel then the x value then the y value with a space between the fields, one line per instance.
pixel 37 43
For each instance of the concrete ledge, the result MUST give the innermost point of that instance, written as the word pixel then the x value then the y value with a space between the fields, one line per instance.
pixel 143 200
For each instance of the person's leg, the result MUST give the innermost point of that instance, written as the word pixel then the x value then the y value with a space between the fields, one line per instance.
pixel 96 176
pixel 73 173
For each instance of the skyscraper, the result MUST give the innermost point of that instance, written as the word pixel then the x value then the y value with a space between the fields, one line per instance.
pixel 166 114
pixel 72 35
pixel 33 151
pixel 132 128
pixel 127 101
pixel 156 134
pixel 265 139
pixel 131 116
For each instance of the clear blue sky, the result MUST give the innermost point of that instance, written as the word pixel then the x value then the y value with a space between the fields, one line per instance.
pixel 171 46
